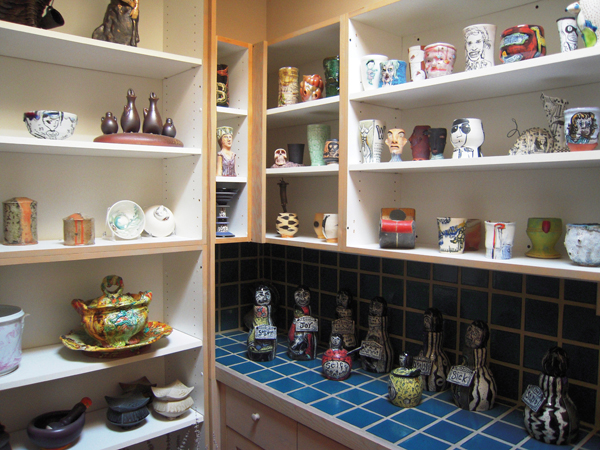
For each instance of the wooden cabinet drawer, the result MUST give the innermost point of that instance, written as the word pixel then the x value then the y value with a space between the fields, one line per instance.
pixel 235 441
pixel 262 425
pixel 309 439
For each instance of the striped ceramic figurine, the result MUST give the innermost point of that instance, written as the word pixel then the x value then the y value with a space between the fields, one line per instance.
pixel 432 359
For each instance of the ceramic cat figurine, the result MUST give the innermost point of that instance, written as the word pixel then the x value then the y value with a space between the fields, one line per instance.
pixel 434 371
pixel 302 336
pixel 376 353
pixel 262 339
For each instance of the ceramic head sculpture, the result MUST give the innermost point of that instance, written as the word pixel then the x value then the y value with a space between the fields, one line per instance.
pixel 280 157
pixel 226 158
pixel 467 136
pixel 419 143
pixel 437 141
pixel 396 140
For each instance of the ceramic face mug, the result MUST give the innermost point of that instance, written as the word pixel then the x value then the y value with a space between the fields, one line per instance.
pixel 330 227
pixel 581 126
pixel 370 70
pixel 467 136
pixel 479 46
pixel 439 59
pixel 393 72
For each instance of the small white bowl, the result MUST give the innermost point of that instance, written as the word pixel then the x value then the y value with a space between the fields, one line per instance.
pixel 160 221
pixel 46 124
pixel 172 392
pixel 126 219
pixel 172 409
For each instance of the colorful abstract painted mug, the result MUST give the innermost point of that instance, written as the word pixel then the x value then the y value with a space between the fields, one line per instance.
pixel 499 239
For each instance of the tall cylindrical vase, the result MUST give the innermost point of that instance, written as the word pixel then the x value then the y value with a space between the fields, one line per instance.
pixel 371 135
pixel 288 86
pixel 317 135
pixel 331 66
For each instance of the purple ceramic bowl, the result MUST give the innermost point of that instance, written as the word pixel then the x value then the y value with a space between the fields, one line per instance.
pixel 52 439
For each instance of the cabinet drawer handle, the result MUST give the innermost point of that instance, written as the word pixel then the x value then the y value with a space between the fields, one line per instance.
pixel 255 417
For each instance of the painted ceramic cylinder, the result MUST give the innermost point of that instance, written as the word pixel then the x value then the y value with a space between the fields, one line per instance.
pixel 317 135
pixel 222 85
pixel 331 152
pixel 296 153
pixel 20 221
pixel 419 143
pixel 522 42
pixel 479 46
pixel 287 224
pixel 437 141
pixel 473 234
pixel 318 225
pixel 467 136
pixel 439 59
pixel 581 128
pixel 370 70
pixel 405 387
pixel 499 239
pixel 568 33
pixel 371 135
pixel 544 234
pixel 288 86
pixel 330 227
pixel 582 241
pixel 331 66
pixel 393 72
pixel 311 87
pixel 451 234
pixel 416 59
pixel 395 141
pixel 79 229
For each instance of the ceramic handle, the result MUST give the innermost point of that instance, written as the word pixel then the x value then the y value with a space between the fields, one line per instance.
pixel 255 417
pixel 324 222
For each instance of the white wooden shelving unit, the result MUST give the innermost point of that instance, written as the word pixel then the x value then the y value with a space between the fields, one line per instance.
pixel 65 70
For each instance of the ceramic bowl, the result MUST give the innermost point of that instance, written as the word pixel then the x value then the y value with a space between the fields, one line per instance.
pixel 172 392
pixel 45 124
pixel 127 402
pixel 58 438
pixel 583 243
pixel 172 409
pixel 127 419
pixel 160 221
pixel 126 219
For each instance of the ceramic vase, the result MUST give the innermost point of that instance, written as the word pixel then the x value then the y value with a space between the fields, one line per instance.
pixel 419 143
pixel 544 234
pixel 416 59
pixel 371 135
pixel 330 227
pixel 130 119
pixel 336 363
pixel 432 360
pixel 479 46
pixel 296 153
pixel 317 135
pixel 153 123
pixel 222 85
pixel 20 221
pixel 568 33
pixel 288 86
pixel 467 136
pixel 302 335
pixel 499 238
pixel 451 234
pixel 376 353
pixel 344 323
pixel 393 72
pixel 370 70
pixel 582 241
pixel 331 66
pixel 287 224
pixel 522 42
pixel 109 124
pixel 437 141
pixel 318 225
pixel 550 415
pixel 311 87
pixel 262 339
pixel 331 152
pixel 405 386
pixel 473 235
pixel 581 128
pixel 439 59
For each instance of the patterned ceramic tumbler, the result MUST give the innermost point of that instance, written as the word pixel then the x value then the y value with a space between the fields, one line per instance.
pixel 317 135
pixel 288 86
pixel 20 221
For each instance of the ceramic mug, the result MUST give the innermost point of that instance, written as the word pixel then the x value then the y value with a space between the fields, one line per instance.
pixel 451 234
pixel 393 72
pixel 568 33
pixel 419 143
pixel 479 46
pixel 330 227
pixel 439 59
pixel 581 128
pixel 522 42
pixel 582 242
pixel 395 141
pixel 437 141
pixel 370 70
pixel 288 86
pixel 499 239
pixel 544 234
pixel 331 66
pixel 416 59
pixel 318 225
pixel 467 136
pixel 371 135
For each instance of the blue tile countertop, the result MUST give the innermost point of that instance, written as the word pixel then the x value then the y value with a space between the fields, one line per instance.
pixel 362 401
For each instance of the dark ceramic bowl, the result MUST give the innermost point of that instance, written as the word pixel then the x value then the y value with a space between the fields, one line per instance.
pixel 127 419
pixel 129 401
pixel 51 439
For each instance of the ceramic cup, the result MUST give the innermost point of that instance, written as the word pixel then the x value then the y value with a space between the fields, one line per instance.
pixel 20 221
pixel 499 239
pixel 296 153
pixel 416 59
pixel 582 242
pixel 439 59
pixel 544 234
pixel 288 86
pixel 287 224
pixel 581 128
pixel 522 42
pixel 331 152
pixel 393 72
pixel 370 70
pixel 317 135
pixel 331 66
pixel 330 227
pixel 371 138
pixel 451 234
pixel 395 141
pixel 467 136
pixel 568 33
pixel 318 225
pixel 473 234
pixel 479 46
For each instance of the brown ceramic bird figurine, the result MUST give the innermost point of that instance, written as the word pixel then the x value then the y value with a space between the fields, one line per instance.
pixel 152 120
pixel 130 120
pixel 169 128
pixel 109 124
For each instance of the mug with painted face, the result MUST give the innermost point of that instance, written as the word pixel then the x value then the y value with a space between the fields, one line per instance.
pixel 419 143
pixel 439 59
pixel 396 140
pixel 370 70
pixel 479 46
pixel 331 152
pixel 467 136
pixel 393 72
pixel 581 127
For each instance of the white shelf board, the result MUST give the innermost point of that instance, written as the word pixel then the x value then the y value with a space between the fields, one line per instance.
pixel 98 434
pixel 226 49
pixel 567 160
pixel 315 111
pixel 239 180
pixel 52 362
pixel 301 241
pixel 538 74
pixel 71 147
pixel 224 113
pixel 36 44
pixel 55 250
pixel 303 171
pixel 519 263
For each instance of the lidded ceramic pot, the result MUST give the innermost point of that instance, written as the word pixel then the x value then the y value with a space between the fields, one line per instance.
pixel 79 229
pixel 20 221
pixel 405 386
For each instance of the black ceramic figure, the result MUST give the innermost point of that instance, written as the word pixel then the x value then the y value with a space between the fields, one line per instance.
pixel 130 120
pixel 344 324
pixel 4 439
pixel 432 359
pixel 551 416
pixel 473 384
pixel 169 128
pixel 437 141
pixel 109 124
pixel 120 24
pixel 376 353
pixel 152 121
pixel 302 339
pixel 262 339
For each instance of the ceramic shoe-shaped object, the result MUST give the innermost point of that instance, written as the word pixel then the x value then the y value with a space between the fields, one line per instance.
pixel 109 124
pixel 130 120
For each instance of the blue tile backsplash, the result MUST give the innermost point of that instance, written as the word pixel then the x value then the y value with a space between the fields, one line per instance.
pixel 526 315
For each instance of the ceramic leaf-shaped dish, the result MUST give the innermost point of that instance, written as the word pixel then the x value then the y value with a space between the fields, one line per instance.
pixel 172 392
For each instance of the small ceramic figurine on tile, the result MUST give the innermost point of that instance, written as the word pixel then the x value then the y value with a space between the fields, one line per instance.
pixel 302 339
pixel 432 360
pixel 344 324
pixel 473 384
pixel 376 353
pixel 226 157
pixel 405 386
pixel 262 339
pixel 396 141
pixel 550 414
pixel 336 362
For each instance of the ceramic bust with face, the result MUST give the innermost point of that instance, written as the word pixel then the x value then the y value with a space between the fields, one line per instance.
pixel 419 143
pixel 396 141
pixel 437 141
pixel 467 136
